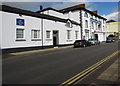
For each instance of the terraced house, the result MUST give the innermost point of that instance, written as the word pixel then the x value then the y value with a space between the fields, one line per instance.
pixel 23 29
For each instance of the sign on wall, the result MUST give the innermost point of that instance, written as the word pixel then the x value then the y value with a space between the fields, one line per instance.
pixel 20 22
pixel 94 20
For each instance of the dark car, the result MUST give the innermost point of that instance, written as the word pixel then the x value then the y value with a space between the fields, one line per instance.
pixel 81 43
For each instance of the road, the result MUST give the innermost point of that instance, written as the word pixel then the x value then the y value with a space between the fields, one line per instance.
pixel 53 67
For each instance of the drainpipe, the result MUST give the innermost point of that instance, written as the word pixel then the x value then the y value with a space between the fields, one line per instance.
pixel 42 31
pixel 41 7
pixel 81 24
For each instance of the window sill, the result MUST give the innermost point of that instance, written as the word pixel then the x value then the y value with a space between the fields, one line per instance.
pixel 20 39
pixel 36 40
pixel 48 39
pixel 69 40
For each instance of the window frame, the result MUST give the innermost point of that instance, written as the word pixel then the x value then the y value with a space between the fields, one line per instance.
pixel 48 36
pixel 86 23
pixel 68 34
pixel 92 25
pixel 23 34
pixel 76 34
pixel 86 14
pixel 35 37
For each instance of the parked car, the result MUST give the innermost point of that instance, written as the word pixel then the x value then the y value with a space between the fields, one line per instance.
pixel 109 40
pixel 81 43
pixel 94 41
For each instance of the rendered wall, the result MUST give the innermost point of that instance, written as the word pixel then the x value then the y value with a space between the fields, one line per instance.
pixel 9 30
pixel 62 29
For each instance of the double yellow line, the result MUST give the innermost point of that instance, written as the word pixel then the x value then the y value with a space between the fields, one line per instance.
pixel 88 70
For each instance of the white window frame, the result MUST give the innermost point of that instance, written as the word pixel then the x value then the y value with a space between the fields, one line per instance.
pixel 48 36
pixel 86 14
pixel 86 23
pixel 76 34
pixel 69 35
pixel 19 38
pixel 92 25
pixel 37 34
pixel 96 26
pixel 99 27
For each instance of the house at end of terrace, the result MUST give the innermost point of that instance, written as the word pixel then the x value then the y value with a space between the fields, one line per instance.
pixel 25 30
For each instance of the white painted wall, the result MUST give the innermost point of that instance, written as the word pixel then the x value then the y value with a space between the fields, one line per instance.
pixel 52 25
pixel 9 30
pixel 54 13
pixel 75 16
pixel 101 32
pixel 83 23
pixel 0 29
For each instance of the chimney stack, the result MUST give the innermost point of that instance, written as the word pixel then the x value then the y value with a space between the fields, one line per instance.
pixel 81 5
pixel 41 7
pixel 95 12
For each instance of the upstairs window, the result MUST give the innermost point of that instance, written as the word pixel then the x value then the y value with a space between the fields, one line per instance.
pixel 86 15
pixel 86 24
pixel 92 25
pixel 99 26
pixel 68 24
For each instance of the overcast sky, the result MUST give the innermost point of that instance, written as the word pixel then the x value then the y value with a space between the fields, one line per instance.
pixel 108 9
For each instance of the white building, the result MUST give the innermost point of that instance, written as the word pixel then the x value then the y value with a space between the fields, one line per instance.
pixel 92 25
pixel 24 30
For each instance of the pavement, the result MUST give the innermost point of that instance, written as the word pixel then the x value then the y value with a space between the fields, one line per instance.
pixel 110 75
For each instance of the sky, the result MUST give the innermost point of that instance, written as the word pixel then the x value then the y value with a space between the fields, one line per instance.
pixel 106 9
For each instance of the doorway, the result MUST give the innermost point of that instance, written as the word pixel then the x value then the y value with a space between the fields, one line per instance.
pixel 96 36
pixel 55 38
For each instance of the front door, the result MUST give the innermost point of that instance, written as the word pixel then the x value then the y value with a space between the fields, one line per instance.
pixel 96 36
pixel 55 38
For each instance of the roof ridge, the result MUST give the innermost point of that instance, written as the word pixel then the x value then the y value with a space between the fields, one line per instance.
pixel 10 9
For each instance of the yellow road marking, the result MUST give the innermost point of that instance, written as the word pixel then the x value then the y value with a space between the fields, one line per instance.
pixel 86 71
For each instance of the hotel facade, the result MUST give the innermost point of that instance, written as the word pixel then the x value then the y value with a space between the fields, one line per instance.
pixel 23 29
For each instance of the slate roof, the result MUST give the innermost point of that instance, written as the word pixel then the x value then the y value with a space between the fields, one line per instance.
pixel 34 14
pixel 74 8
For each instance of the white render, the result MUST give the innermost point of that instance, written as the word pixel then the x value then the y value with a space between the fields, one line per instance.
pixel 59 26
pixel 0 30
pixel 75 16
pixel 8 37
pixel 9 31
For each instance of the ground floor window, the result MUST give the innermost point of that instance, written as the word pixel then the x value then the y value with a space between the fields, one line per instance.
pixel 35 34
pixel 76 34
pixel 48 34
pixel 68 34
pixel 19 33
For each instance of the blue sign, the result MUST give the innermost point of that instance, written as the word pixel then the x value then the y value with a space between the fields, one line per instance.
pixel 20 22
pixel 94 20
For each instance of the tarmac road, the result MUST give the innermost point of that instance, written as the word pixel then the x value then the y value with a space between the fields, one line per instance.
pixel 53 67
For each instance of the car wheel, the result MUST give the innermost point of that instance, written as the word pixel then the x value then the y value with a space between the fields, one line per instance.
pixel 84 45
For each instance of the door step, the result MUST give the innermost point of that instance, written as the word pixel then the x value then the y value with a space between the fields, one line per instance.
pixel 56 47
